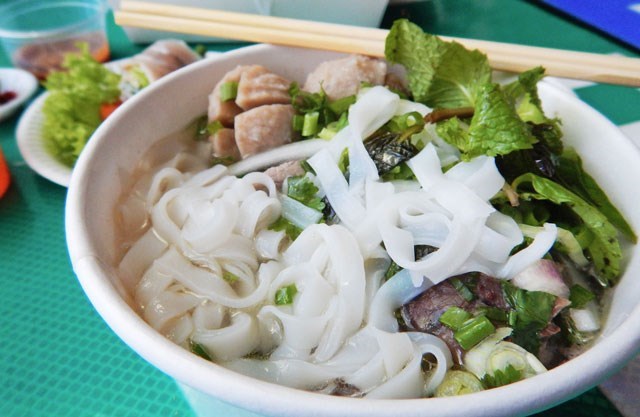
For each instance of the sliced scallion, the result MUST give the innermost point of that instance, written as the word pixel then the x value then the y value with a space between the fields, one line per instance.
pixel 310 124
pixel 473 331
pixel 284 295
pixel 228 91
pixel 454 317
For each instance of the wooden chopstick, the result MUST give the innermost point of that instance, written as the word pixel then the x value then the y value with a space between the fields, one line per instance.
pixel 368 41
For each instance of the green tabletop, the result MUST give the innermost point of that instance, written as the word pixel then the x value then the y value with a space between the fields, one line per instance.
pixel 57 356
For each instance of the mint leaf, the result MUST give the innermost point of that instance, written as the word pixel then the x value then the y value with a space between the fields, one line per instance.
pixel 440 74
pixel 495 129
pixel 604 248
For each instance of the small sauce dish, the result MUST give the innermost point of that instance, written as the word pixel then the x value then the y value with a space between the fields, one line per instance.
pixel 16 87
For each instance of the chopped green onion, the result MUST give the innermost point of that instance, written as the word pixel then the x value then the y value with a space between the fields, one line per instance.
pixel 310 124
pixel 230 277
pixel 199 350
pixel 214 127
pixel 454 317
pixel 284 296
pixel 341 105
pixel 580 296
pixel 473 331
pixel 228 91
pixel 343 161
pixel 464 291
pixel 457 383
pixel 297 122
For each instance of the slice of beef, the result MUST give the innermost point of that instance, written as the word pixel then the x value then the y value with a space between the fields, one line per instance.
pixel 263 128
pixel 224 144
pixel 225 111
pixel 257 87
pixel 489 291
pixel 343 77
pixel 423 314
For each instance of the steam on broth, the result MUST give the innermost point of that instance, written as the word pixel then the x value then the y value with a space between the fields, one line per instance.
pixel 403 255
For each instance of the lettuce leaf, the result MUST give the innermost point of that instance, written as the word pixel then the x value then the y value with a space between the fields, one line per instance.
pixel 604 248
pixel 72 109
pixel 440 74
pixel 570 173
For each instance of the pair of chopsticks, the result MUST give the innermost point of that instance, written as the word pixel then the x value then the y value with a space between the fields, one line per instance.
pixel 368 41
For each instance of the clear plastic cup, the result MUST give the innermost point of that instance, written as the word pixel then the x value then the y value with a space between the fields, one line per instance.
pixel 37 34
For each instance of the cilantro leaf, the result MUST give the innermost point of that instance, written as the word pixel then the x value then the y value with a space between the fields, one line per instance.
pixel 302 189
pixel 580 296
pixel 282 224
pixel 502 377
pixel 531 312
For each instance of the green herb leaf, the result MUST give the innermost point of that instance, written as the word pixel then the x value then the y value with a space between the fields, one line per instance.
pixel 531 313
pixel 284 295
pixel 495 129
pixel 570 173
pixel 580 296
pixel 440 74
pixel 302 189
pixel 199 350
pixel 282 224
pixel 604 249
pixel 499 378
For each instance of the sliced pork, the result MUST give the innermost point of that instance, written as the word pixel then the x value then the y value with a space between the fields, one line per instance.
pixel 225 111
pixel 258 86
pixel 163 57
pixel 224 144
pixel 283 171
pixel 263 128
pixel 343 77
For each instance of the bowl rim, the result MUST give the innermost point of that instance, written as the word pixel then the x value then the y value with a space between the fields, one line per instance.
pixel 550 388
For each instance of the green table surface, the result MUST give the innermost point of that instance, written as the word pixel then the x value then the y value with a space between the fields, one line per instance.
pixel 57 356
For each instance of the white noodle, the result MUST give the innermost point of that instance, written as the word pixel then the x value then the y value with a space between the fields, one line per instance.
pixel 206 269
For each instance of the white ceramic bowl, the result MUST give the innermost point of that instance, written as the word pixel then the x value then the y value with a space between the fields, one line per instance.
pixel 170 104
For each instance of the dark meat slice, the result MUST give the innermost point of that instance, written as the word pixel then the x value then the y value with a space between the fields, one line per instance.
pixel 225 111
pixel 224 144
pixel 257 87
pixel 423 314
pixel 343 77
pixel 283 171
pixel 489 291
pixel 263 128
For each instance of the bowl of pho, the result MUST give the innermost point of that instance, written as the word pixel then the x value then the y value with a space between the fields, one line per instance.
pixel 302 232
